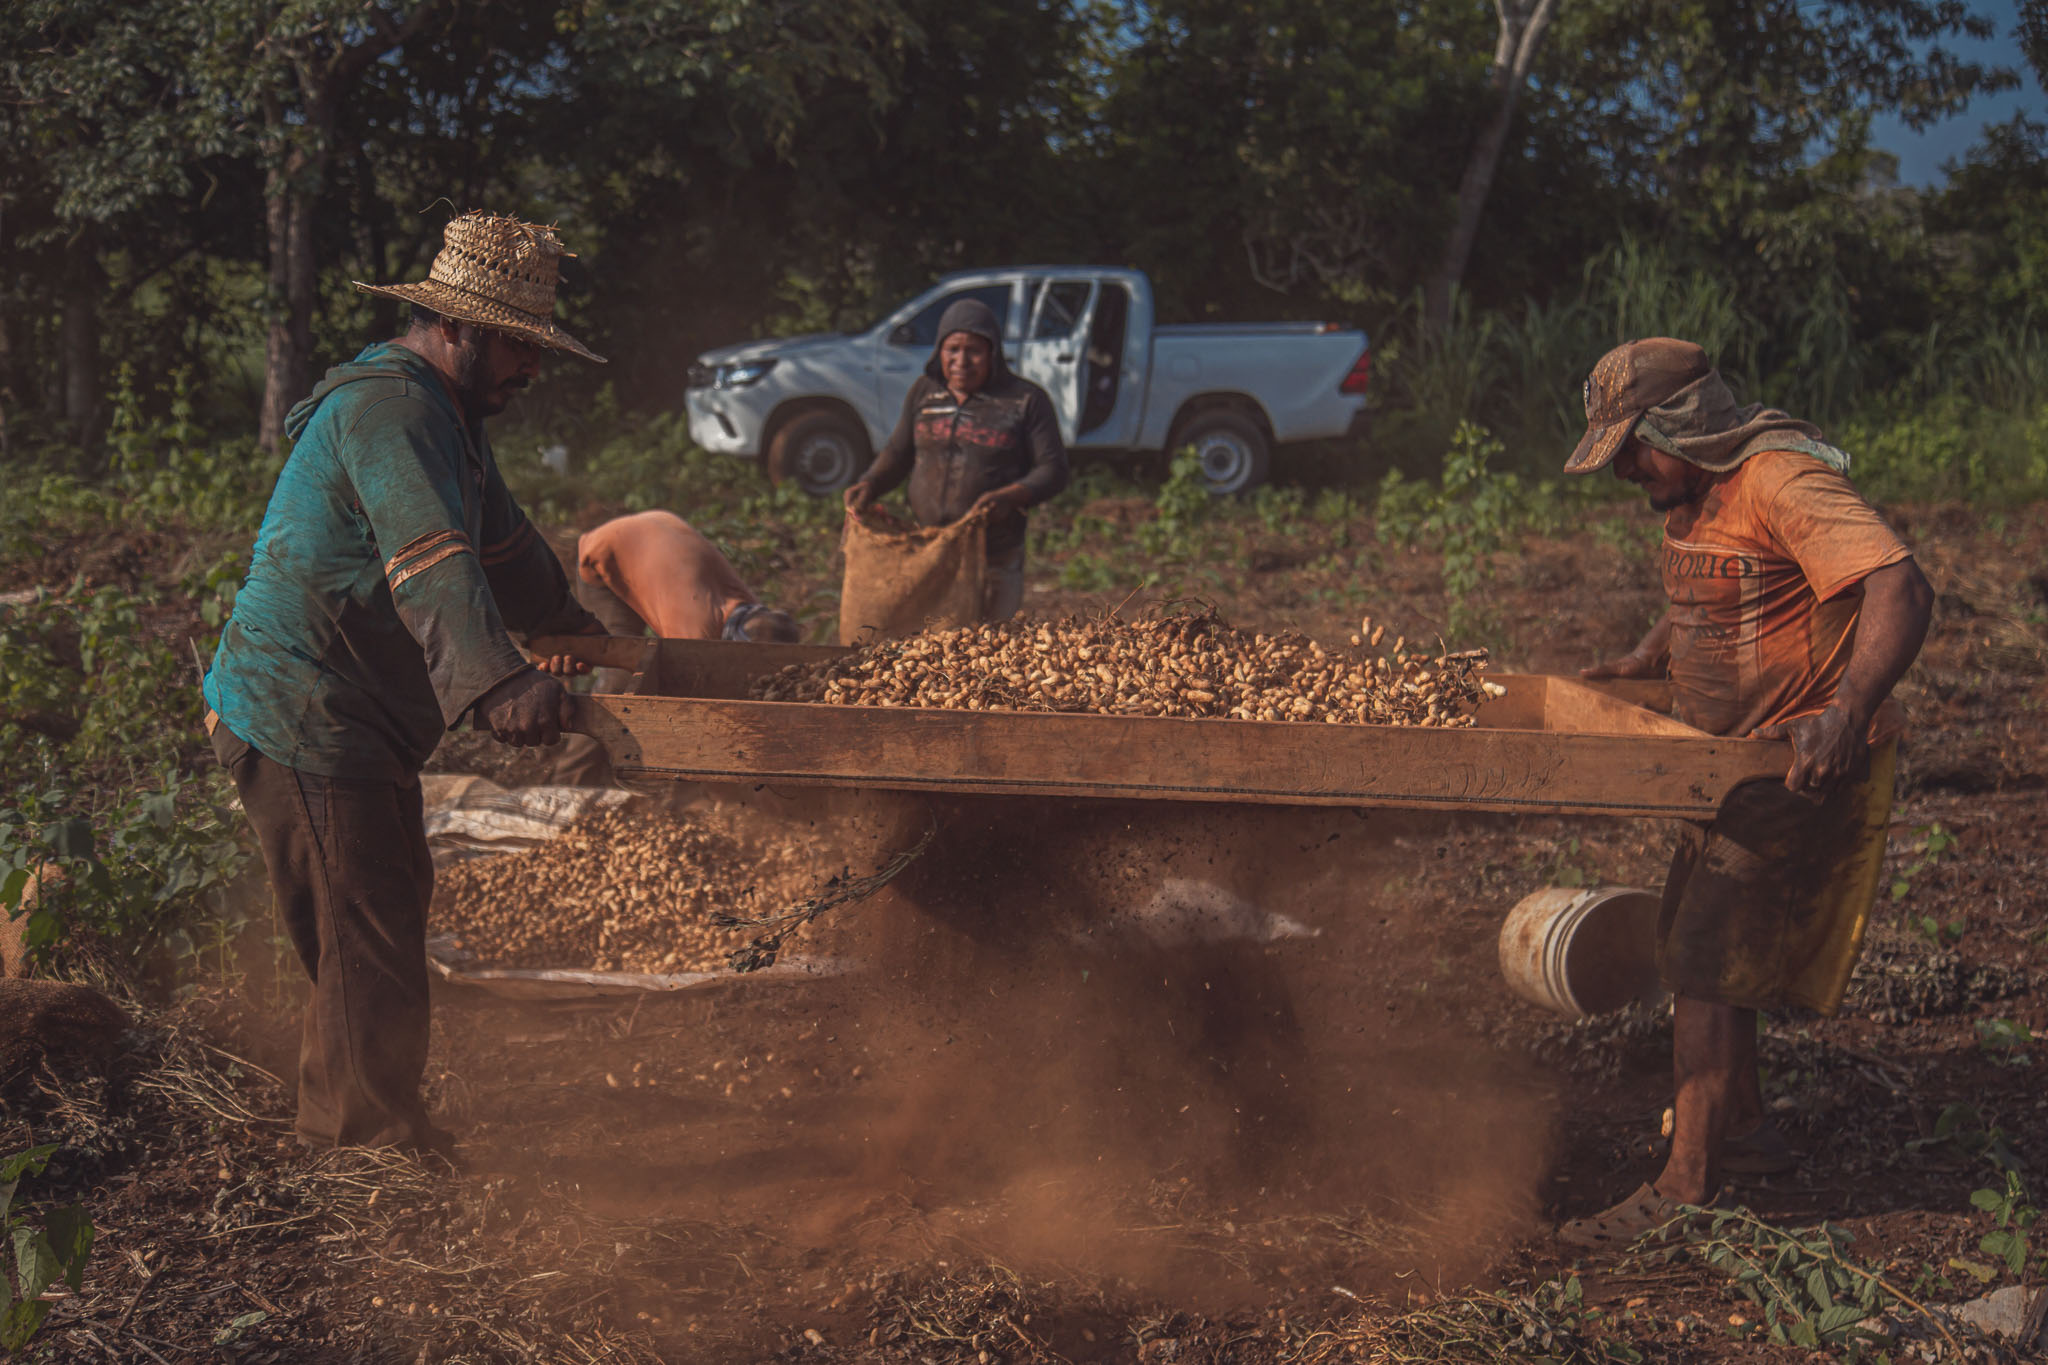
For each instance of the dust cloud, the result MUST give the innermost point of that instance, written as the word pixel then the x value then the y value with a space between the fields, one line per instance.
pixel 1151 1042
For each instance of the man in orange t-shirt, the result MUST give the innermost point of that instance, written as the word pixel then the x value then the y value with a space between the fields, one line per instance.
pixel 1794 610
pixel 654 572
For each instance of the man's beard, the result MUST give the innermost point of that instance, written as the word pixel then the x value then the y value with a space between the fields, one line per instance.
pixel 473 387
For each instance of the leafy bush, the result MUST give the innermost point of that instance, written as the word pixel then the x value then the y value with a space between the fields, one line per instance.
pixel 1471 514
pixel 167 468
pixel 124 876
pixel 1182 506
pixel 99 727
pixel 42 1255
pixel 1950 448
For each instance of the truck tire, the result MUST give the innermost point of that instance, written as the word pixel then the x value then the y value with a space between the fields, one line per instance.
pixel 1234 450
pixel 820 452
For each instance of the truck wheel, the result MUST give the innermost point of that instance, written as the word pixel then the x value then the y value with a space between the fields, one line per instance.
pixel 1233 449
pixel 819 452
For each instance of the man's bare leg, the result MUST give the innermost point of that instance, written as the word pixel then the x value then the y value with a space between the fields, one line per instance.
pixel 1714 1056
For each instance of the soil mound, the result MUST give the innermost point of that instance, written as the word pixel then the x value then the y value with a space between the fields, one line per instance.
pixel 71 1027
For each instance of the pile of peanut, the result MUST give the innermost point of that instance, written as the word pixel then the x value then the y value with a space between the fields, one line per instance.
pixel 619 890
pixel 1192 666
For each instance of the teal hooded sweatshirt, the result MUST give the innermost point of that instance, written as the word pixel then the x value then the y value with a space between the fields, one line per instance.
pixel 390 568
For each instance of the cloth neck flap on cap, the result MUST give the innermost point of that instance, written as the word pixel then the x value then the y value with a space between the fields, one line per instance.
pixel 1701 425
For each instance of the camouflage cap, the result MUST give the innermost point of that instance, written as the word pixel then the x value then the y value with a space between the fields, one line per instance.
pixel 1628 382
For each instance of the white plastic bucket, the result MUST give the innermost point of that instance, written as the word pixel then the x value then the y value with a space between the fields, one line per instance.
pixel 1582 950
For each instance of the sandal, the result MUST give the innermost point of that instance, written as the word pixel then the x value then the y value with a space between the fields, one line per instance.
pixel 1761 1151
pixel 1644 1211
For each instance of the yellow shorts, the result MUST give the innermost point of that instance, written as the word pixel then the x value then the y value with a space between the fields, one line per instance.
pixel 1767 905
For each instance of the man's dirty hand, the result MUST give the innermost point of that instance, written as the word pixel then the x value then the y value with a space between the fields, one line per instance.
pixel 1630 665
pixel 526 709
pixel 858 497
pixel 1828 748
pixel 998 500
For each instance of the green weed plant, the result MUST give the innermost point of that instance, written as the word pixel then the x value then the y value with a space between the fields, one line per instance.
pixel 52 1248
pixel 2010 1242
pixel 101 780
pixel 1472 513
pixel 1808 1289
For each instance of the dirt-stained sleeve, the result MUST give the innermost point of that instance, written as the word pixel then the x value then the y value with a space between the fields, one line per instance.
pixel 1823 523
pixel 894 460
pixel 1048 472
pixel 406 461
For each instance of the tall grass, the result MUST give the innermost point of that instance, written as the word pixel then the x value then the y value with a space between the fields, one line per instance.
pixel 1946 413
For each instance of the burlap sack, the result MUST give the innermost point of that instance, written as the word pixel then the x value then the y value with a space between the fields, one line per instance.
pixel 901 579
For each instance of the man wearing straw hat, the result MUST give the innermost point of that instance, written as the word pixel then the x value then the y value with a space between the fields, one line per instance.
pixel 390 570
pixel 1793 612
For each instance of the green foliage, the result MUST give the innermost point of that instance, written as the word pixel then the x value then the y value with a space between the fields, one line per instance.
pixel 2010 1242
pixel 1953 445
pixel 721 168
pixel 214 589
pixel 1937 844
pixel 1567 866
pixel 2005 1041
pixel 42 1255
pixel 167 468
pixel 99 719
pixel 127 873
pixel 1277 506
pixel 1183 505
pixel 82 669
pixel 1961 1131
pixel 1473 513
pixel 1810 1290
pixel 1939 933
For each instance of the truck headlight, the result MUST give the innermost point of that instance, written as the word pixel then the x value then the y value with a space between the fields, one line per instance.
pixel 744 373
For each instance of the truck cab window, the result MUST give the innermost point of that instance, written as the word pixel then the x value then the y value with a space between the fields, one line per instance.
pixel 922 331
pixel 1060 312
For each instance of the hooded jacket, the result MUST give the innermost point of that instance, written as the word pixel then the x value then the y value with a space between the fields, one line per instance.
pixel 953 452
pixel 391 563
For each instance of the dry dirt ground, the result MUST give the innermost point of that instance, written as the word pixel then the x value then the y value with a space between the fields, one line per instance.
pixel 1033 1125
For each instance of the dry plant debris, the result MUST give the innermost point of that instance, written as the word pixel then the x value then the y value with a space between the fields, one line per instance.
pixel 619 890
pixel 1191 665
pixel 844 889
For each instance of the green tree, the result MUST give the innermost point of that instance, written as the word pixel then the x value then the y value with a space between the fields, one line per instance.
pixel 106 130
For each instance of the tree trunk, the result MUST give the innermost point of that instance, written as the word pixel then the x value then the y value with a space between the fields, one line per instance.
pixel 293 195
pixel 78 342
pixel 1522 26
pixel 284 368
pixel 294 185
pixel 6 348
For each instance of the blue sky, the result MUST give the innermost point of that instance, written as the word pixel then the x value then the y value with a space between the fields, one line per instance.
pixel 1922 155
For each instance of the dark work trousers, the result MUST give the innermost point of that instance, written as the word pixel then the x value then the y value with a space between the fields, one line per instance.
pixel 349 869
pixel 581 761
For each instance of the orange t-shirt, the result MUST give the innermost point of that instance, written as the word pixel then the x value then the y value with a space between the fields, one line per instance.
pixel 672 577
pixel 1765 577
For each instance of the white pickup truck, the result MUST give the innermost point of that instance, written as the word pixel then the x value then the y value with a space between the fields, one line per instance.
pixel 818 406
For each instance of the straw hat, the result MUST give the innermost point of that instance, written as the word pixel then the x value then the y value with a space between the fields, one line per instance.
pixel 494 272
